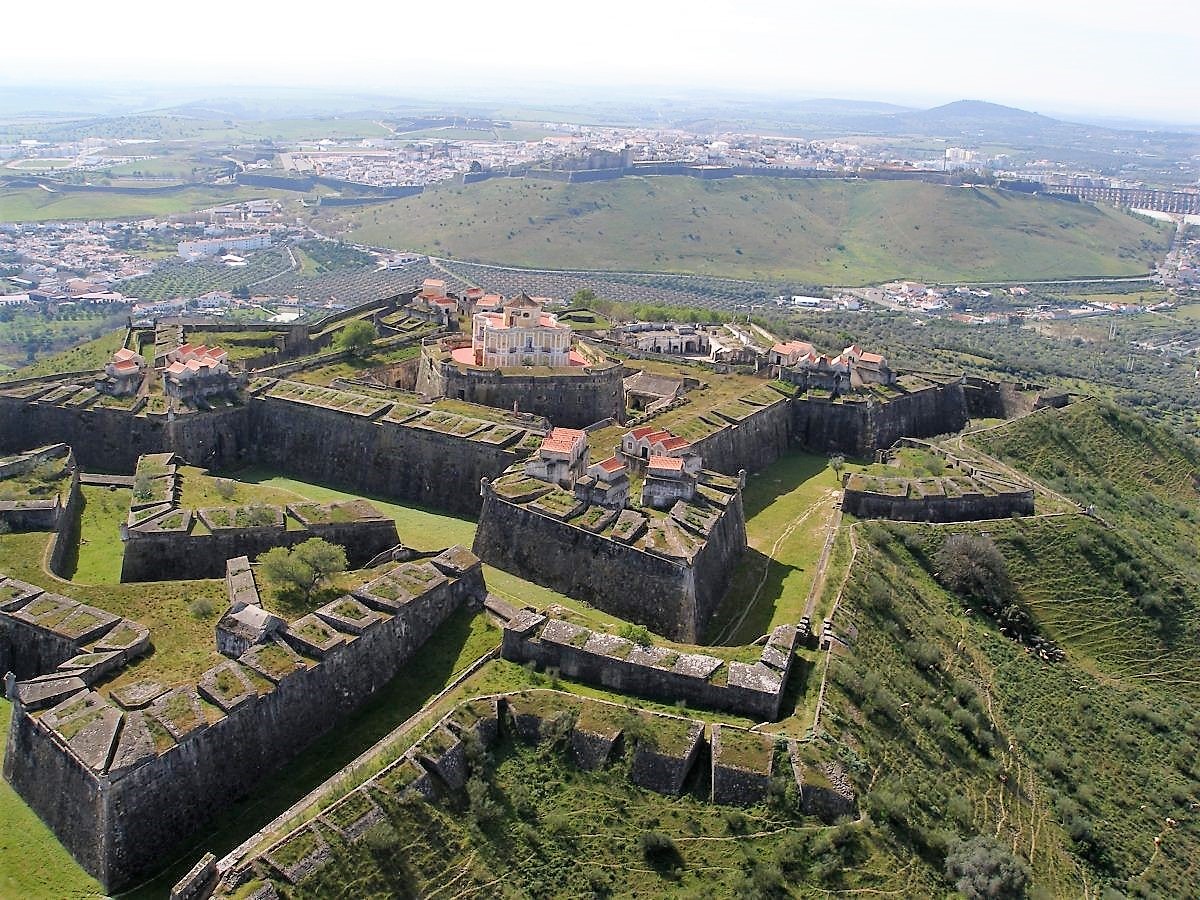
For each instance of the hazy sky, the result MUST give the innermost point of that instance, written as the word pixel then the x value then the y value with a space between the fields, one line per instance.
pixel 1098 56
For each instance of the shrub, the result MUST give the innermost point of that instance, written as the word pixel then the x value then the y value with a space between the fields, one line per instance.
pixel 225 488
pixel 639 634
pixel 201 608
pixel 972 566
pixel 983 868
pixel 659 850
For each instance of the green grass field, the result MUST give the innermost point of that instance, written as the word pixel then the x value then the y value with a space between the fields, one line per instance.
pixel 787 507
pixel 825 232
pixel 33 864
pixel 39 205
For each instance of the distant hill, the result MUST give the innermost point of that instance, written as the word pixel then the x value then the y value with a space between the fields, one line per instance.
pixel 820 232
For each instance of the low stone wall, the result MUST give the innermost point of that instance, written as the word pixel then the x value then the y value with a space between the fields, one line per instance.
pixel 968 507
pixel 617 664
pixel 98 774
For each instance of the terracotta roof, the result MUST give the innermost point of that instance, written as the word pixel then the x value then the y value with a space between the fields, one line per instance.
pixel 612 464
pixel 870 358
pixel 641 432
pixel 657 436
pixel 123 354
pixel 125 365
pixel 791 347
pixel 669 463
pixel 568 434
pixel 674 443
pixel 552 445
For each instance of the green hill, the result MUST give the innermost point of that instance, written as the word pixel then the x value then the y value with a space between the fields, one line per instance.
pixel 815 231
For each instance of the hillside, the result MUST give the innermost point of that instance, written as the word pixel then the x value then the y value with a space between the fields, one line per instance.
pixel 822 232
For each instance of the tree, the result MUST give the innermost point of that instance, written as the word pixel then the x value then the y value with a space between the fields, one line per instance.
pixel 983 868
pixel 837 463
pixel 305 566
pixel 972 566
pixel 583 297
pixel 356 337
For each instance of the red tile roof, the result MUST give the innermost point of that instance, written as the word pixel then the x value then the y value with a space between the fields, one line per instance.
pixel 674 443
pixel 666 462
pixel 612 464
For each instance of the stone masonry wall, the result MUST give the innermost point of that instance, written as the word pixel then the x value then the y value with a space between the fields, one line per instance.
pixel 122 820
pixel 572 400
pixel 860 428
pixel 752 444
pixel 375 458
pixel 967 508
pixel 668 596
pixel 176 555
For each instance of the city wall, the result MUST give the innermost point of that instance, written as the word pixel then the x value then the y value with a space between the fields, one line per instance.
pixel 860 427
pixel 752 444
pixel 379 458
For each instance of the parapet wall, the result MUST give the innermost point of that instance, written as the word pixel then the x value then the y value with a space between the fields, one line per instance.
pixel 121 785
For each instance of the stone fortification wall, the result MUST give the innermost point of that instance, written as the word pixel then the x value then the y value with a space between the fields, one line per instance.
pixel 754 691
pixel 860 427
pixel 111 440
pixel 965 508
pixel 380 458
pixel 66 529
pixel 674 596
pixel 573 399
pixel 176 555
pixel 120 801
pixel 752 444
pixel 355 452
pixel 998 399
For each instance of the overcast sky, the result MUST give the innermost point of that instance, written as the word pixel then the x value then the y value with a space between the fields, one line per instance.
pixel 1139 59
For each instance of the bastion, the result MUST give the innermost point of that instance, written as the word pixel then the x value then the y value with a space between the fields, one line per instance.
pixel 665 570
pixel 964 492
pixel 753 690
pixel 122 778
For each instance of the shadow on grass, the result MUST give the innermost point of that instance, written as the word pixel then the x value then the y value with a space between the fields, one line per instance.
pixel 779 478
pixel 424 675
pixel 742 585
